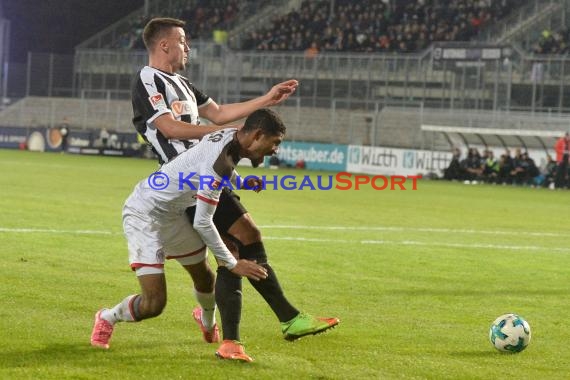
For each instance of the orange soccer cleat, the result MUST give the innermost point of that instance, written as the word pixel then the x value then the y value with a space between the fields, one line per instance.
pixel 210 336
pixel 102 331
pixel 233 350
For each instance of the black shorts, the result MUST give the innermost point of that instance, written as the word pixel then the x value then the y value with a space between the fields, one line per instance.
pixel 228 211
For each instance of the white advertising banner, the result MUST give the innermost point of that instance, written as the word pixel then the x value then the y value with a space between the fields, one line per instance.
pixel 394 161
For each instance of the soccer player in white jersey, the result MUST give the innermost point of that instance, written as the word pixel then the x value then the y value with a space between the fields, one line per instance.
pixel 167 110
pixel 156 225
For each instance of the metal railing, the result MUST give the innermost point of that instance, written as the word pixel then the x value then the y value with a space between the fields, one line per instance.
pixel 523 80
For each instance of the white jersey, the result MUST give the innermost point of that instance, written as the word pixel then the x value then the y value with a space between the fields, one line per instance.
pixel 191 178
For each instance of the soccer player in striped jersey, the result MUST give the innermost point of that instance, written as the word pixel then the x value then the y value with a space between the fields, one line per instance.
pixel 167 110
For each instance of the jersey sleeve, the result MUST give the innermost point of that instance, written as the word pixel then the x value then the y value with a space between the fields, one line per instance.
pixel 201 98
pixel 215 168
pixel 149 98
pixel 207 199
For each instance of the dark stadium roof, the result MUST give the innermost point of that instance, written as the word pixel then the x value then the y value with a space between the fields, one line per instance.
pixel 58 25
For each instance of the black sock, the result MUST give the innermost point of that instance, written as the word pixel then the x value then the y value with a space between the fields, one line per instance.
pixel 228 299
pixel 269 288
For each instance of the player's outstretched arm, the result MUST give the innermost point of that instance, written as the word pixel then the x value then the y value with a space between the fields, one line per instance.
pixel 280 92
pixel 227 113
pixel 174 129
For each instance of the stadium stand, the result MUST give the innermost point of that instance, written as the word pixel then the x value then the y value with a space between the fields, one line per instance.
pixel 343 25
pixel 205 19
pixel 376 26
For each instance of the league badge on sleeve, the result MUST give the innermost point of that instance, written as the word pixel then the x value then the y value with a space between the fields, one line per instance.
pixel 157 101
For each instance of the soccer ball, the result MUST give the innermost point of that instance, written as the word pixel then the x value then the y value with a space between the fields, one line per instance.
pixel 510 333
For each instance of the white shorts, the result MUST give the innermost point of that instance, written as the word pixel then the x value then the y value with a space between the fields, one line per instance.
pixel 150 242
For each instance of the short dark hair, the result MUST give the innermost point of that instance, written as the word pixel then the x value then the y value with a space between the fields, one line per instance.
pixel 157 28
pixel 265 119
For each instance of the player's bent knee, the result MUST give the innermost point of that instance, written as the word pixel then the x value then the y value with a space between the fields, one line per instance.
pixel 254 251
pixel 245 230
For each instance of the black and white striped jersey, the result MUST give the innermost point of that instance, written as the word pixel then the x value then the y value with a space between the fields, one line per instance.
pixel 154 93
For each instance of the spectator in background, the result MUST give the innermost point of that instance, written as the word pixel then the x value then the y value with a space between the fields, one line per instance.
pixel 518 168
pixel 104 137
pixel 561 147
pixel 64 130
pixel 114 142
pixel 526 170
pixel 533 170
pixel 506 165
pixel 549 172
pixel 472 166
pixel 491 167
pixel 552 42
pixel 454 170
pixel 312 51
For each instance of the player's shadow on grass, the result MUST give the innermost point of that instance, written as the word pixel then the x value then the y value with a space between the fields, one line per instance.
pixel 78 353
pixel 83 355
pixel 45 355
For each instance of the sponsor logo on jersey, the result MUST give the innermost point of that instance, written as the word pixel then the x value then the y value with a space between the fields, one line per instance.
pixel 157 101
pixel 181 107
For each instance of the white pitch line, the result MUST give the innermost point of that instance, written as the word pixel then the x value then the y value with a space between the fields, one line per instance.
pixel 54 231
pixel 418 229
pixel 321 240
pixel 318 228
pixel 478 246
pixel 422 243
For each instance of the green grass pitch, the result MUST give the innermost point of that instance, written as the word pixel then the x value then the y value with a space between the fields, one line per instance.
pixel 416 278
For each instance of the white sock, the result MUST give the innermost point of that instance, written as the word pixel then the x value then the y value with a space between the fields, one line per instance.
pixel 208 303
pixel 121 312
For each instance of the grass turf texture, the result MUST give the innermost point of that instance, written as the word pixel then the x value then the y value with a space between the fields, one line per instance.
pixel 416 277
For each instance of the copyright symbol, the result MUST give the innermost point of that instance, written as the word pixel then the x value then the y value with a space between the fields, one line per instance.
pixel 158 181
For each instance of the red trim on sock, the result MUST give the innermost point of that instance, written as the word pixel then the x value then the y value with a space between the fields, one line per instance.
pixel 131 301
